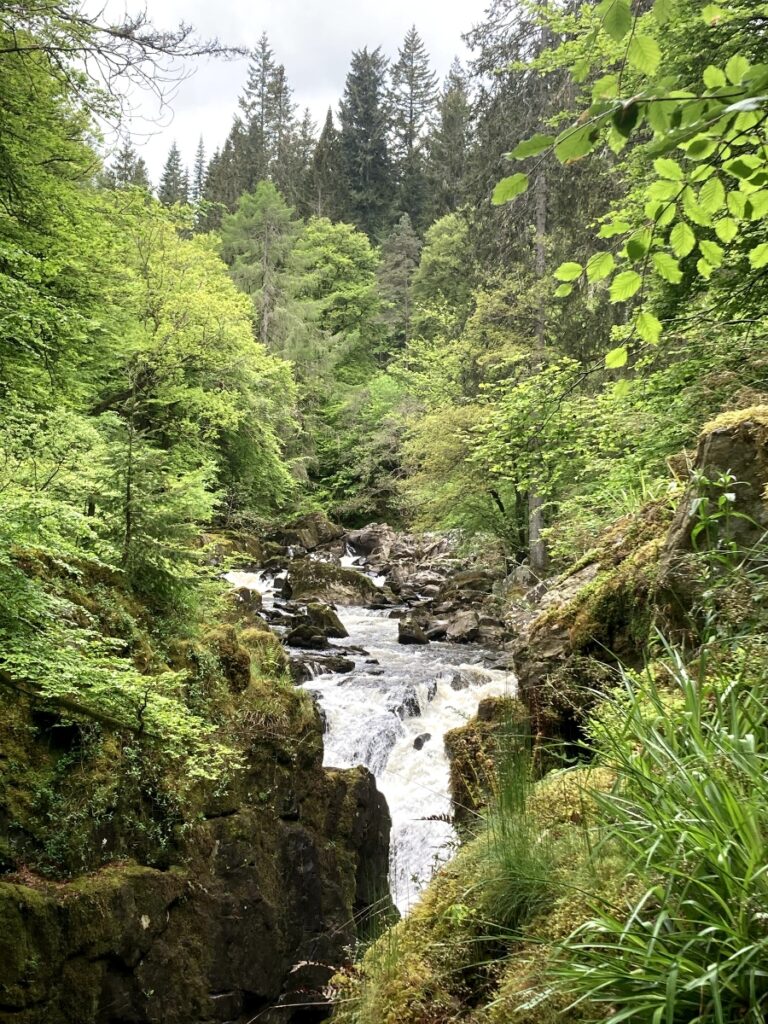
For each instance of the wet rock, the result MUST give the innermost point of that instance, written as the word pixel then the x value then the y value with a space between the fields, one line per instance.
pixel 376 539
pixel 436 630
pixel 404 703
pixel 410 632
pixel 332 584
pixel 420 740
pixel 460 681
pixel 307 636
pixel 431 690
pixel 464 628
pixel 325 618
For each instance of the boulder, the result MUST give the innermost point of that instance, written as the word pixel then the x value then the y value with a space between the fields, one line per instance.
pixel 311 532
pixel 464 628
pixel 420 740
pixel 376 539
pixel 307 636
pixel 325 618
pixel 404 702
pixel 330 583
pixel 410 632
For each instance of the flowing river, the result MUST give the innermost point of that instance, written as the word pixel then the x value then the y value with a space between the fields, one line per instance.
pixel 391 714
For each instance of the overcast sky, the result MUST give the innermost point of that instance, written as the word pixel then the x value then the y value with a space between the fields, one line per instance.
pixel 314 40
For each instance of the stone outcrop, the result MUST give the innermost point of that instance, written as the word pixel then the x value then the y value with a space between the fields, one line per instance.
pixel 253 908
pixel 323 581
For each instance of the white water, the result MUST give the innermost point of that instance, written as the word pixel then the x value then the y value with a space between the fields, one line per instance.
pixel 375 714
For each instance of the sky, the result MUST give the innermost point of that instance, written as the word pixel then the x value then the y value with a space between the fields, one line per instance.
pixel 313 39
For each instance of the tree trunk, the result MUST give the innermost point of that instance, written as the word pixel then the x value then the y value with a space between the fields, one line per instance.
pixel 536 546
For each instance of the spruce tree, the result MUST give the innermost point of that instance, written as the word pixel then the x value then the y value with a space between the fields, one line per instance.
pixel 174 182
pixel 328 192
pixel 399 262
pixel 412 94
pixel 365 152
pixel 127 170
pixel 448 145
pixel 198 174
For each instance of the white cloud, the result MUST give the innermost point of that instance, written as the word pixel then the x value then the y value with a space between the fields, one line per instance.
pixel 314 40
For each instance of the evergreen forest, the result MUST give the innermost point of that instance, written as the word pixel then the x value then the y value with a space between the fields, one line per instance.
pixel 482 353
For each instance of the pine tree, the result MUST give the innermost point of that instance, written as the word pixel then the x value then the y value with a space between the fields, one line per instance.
pixel 328 193
pixel 257 104
pixel 448 145
pixel 293 171
pixel 174 183
pixel 198 174
pixel 399 262
pixel 365 153
pixel 127 170
pixel 412 95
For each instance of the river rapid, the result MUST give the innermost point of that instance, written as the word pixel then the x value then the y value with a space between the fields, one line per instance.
pixel 391 715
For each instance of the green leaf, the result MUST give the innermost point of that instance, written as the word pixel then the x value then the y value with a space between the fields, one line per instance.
pixel 576 142
pixel 758 204
pixel 509 188
pixel 711 252
pixel 580 70
pixel 659 116
pixel 693 210
pixel 613 228
pixel 712 195
pixel 616 358
pixel 664 11
pixel 714 78
pixel 666 168
pixel 758 257
pixel 625 285
pixel 644 54
pixel 622 388
pixel 600 266
pixel 667 267
pixel 568 272
pixel 737 204
pixel 726 229
pixel 562 290
pixel 639 244
pixel 648 328
pixel 712 14
pixel 682 239
pixel 736 68
pixel 701 147
pixel 606 88
pixel 625 118
pixel 743 167
pixel 704 269
pixel 532 147
pixel 617 18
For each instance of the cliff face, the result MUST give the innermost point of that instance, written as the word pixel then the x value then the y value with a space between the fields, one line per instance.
pixel 259 900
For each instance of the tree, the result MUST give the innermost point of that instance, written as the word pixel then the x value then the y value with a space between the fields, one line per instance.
pixel 363 116
pixel 198 174
pixel 445 279
pixel 399 260
pixel 258 239
pixel 448 144
pixel 329 198
pixel 413 93
pixel 174 181
pixel 128 169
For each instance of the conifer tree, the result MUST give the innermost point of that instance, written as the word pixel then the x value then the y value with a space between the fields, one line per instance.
pixel 412 94
pixel 365 152
pixel 448 144
pixel 174 182
pixel 198 174
pixel 328 193
pixel 128 169
pixel 399 262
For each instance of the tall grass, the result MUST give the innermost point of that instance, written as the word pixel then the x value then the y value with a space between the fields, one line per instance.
pixel 690 815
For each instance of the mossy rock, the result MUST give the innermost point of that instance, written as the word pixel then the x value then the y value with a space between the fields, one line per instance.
pixel 311 580
pixel 267 652
pixel 233 657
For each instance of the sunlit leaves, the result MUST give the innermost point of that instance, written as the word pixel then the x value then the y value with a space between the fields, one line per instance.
pixel 568 271
pixel 682 239
pixel 532 147
pixel 726 229
pixel 758 257
pixel 712 252
pixel 616 17
pixel 667 267
pixel 648 328
pixel 509 188
pixel 669 169
pixel 737 68
pixel 712 195
pixel 644 54
pixel 616 358
pixel 600 266
pixel 714 78
pixel 625 285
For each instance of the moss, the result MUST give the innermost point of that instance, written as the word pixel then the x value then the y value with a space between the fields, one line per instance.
pixel 268 656
pixel 328 582
pixel 756 414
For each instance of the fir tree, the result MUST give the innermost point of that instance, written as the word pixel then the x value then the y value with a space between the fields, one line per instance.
pixel 449 144
pixel 412 94
pixel 257 105
pixel 174 182
pixel 365 153
pixel 328 193
pixel 399 262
